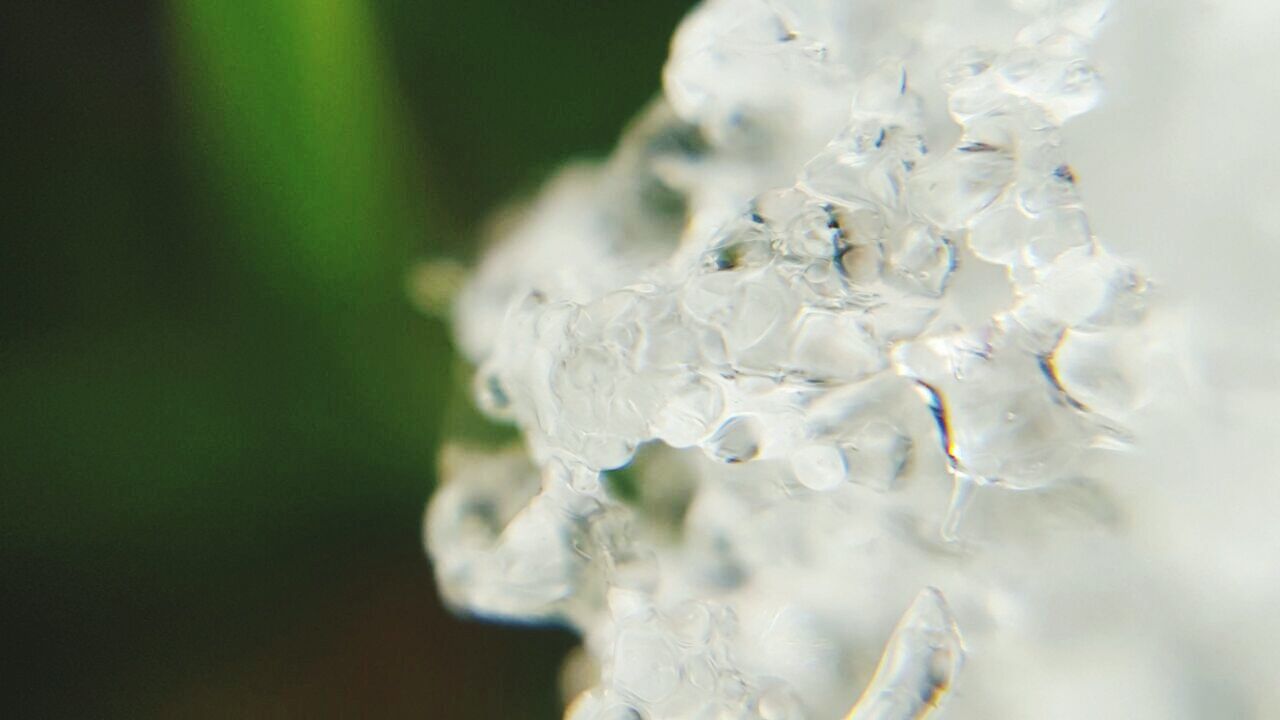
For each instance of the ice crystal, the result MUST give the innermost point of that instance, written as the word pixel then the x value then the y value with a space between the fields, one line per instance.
pixel 836 282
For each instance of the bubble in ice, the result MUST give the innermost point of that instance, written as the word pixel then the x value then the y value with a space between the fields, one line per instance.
pixel 754 397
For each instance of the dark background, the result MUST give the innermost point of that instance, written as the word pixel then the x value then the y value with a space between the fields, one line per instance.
pixel 220 410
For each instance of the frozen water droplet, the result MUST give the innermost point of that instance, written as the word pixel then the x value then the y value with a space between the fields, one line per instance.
pixel 1103 370
pixel 1085 288
pixel 738 440
pixel 691 623
pixel 1082 17
pixel 644 665
pixel 761 305
pixel 692 411
pixel 884 93
pixel 920 259
pixel 1054 232
pixel 862 261
pixel 951 191
pixel 815 232
pixel 743 245
pixel 834 346
pixel 836 174
pixel 966 65
pixel 593 706
pixel 699 670
pixel 778 702
pixel 999 234
pixel 919 664
pixel 620 712
pixel 708 298
pixel 1078 90
pixel 1000 417
pixel 1052 75
pixel 876 454
pixel 628 604
pixel 574 475
pixel 490 394
pixel 819 467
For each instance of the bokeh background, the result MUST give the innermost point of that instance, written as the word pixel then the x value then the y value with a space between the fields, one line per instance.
pixel 221 412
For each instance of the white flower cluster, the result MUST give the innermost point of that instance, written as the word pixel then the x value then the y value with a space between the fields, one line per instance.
pixel 834 284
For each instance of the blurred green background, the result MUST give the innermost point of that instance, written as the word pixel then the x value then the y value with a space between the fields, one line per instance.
pixel 220 411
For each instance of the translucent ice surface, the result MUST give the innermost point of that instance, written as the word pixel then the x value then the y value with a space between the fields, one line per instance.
pixel 826 368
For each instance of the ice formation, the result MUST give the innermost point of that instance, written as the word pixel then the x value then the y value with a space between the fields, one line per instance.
pixel 834 290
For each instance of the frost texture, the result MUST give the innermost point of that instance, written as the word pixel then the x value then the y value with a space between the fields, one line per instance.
pixel 832 286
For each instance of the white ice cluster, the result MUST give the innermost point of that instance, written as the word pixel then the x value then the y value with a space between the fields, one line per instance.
pixel 827 339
